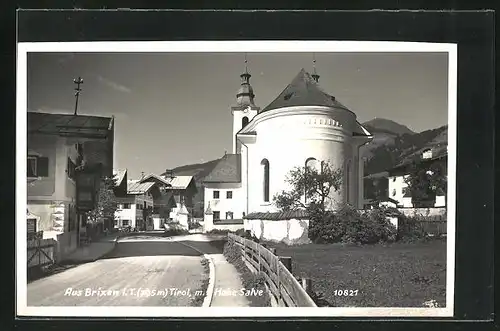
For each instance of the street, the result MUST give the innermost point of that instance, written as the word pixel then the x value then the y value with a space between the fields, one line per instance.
pixel 142 270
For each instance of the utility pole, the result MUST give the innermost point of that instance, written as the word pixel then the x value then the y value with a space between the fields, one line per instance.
pixel 78 81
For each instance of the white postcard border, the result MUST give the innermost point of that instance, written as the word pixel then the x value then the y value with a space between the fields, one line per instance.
pixel 296 46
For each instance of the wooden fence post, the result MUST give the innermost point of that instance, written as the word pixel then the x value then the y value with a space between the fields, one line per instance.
pixel 278 275
pixel 260 257
pixel 287 262
pixel 306 284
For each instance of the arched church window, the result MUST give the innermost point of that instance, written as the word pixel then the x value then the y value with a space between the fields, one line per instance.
pixel 265 172
pixel 244 122
pixel 348 181
pixel 311 163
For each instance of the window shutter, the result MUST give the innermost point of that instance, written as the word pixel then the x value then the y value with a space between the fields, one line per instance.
pixel 43 167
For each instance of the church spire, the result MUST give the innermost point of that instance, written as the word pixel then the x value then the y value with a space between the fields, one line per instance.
pixel 315 75
pixel 245 95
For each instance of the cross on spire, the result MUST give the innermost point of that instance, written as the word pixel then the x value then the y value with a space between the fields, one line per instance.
pixel 78 81
pixel 315 75
pixel 246 64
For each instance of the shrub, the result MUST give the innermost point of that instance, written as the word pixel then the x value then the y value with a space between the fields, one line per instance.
pixel 348 225
pixel 217 231
pixel 194 225
pixel 419 227
pixel 174 229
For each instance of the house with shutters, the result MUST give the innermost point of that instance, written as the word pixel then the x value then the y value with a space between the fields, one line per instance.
pixel 67 155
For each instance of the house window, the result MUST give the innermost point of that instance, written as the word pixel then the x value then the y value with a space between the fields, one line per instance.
pixel 125 222
pixel 216 215
pixel 37 166
pixel 393 179
pixel 394 193
pixel 244 214
pixel 265 180
pixel 216 194
pixel 348 182
pixel 32 166
pixel 71 169
pixel 229 194
pixel 229 215
pixel 126 206
pixel 138 206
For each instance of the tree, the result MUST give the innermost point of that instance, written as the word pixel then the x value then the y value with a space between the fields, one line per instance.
pixel 425 182
pixel 310 187
pixel 106 203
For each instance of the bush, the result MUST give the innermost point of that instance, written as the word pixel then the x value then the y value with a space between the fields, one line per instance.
pixel 348 225
pixel 175 229
pixel 419 228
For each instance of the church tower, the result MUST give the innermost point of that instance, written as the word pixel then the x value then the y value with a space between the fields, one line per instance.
pixel 245 109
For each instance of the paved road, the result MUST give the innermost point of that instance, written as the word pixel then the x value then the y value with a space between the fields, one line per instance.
pixel 128 276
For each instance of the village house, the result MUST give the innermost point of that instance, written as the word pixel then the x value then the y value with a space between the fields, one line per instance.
pixel 166 202
pixel 397 186
pixel 135 202
pixel 67 157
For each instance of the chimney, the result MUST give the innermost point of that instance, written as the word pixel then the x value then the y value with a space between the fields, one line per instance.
pixel 169 173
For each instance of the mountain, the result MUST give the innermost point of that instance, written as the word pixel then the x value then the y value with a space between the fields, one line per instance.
pixel 386 151
pixel 382 125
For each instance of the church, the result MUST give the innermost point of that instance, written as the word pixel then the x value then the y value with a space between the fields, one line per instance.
pixel 301 127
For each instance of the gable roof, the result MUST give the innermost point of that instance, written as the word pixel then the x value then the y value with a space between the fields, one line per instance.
pixel 69 125
pixel 303 91
pixel 178 182
pixel 227 170
pixel 155 177
pixel 136 187
pixel 119 175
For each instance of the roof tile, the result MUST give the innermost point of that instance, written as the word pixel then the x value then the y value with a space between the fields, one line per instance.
pixel 303 91
pixel 227 170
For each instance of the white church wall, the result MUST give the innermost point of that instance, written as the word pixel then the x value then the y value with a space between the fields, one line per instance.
pixel 287 142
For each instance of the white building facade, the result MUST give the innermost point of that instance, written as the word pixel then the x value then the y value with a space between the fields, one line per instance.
pixel 302 126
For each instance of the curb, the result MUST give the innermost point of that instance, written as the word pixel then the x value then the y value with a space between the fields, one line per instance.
pixel 207 301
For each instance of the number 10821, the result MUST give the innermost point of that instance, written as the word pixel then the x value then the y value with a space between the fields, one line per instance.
pixel 345 293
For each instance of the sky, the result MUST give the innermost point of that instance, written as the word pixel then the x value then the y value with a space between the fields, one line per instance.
pixel 173 109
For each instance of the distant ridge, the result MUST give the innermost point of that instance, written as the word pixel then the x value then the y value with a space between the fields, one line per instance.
pixel 388 126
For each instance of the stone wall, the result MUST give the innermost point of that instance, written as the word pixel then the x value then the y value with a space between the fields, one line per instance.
pixel 290 231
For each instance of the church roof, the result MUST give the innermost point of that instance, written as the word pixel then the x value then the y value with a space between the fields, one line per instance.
pixel 227 170
pixel 303 91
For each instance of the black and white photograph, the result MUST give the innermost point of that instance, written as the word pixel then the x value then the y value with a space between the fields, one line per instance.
pixel 236 178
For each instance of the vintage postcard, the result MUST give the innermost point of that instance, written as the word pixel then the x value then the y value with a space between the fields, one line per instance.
pixel 236 178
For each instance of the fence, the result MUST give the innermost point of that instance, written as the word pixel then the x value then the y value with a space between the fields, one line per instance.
pixel 284 287
pixel 41 252
pixel 432 225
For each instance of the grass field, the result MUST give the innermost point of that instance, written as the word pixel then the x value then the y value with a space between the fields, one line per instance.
pixel 395 275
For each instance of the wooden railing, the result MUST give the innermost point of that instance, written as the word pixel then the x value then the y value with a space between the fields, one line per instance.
pixel 283 286
pixel 41 252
